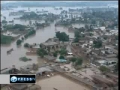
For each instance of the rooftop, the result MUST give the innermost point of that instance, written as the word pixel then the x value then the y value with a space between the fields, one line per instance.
pixel 44 69
pixel 49 43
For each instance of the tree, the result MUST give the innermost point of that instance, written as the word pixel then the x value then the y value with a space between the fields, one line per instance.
pixel 18 42
pixel 41 52
pixel 19 26
pixel 73 59
pixel 77 34
pixel 76 39
pixel 4 21
pixel 26 45
pixel 55 53
pixel 22 38
pixel 91 34
pixel 31 32
pixel 79 61
pixel 104 69
pixel 86 27
pixel 97 43
pixel 6 39
pixel 63 51
pixel 62 36
pixel 61 57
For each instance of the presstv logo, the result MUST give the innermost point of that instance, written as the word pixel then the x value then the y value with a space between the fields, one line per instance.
pixel 22 79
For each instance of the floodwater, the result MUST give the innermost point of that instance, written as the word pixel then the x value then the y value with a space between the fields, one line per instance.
pixel 41 36
pixel 60 83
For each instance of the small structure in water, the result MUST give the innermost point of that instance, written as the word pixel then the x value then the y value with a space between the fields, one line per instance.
pixel 9 51
pixel 55 88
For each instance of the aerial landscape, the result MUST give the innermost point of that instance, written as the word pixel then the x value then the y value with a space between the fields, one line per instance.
pixel 67 45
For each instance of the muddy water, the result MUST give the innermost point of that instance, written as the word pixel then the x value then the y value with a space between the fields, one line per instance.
pixel 60 83
pixel 41 36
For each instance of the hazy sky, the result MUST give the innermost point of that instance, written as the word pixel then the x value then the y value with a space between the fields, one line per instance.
pixel 7 1
pixel 47 1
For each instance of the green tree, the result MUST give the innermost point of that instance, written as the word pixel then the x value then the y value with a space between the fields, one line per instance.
pixel 6 39
pixel 73 59
pixel 61 57
pixel 4 21
pixel 79 61
pixel 19 26
pixel 77 34
pixel 31 32
pixel 97 43
pixel 104 69
pixel 41 52
pixel 62 36
pixel 55 53
pixel 22 38
pixel 76 39
pixel 63 51
pixel 91 34
pixel 18 42
pixel 26 45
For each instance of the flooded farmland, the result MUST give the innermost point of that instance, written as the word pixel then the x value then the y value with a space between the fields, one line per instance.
pixel 41 36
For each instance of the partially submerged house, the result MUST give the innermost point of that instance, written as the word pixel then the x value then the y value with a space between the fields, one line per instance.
pixel 107 62
pixel 53 44
pixel 10 70
pixel 44 71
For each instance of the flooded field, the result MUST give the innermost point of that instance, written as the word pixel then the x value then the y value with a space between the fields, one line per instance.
pixel 41 36
pixel 60 83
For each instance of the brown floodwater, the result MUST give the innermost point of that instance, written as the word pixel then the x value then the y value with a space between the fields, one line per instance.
pixel 60 83
pixel 41 36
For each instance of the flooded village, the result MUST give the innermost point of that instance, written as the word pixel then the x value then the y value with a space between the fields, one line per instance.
pixel 68 48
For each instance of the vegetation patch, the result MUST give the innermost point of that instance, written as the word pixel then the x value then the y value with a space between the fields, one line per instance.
pixel 41 52
pixel 61 57
pixel 32 32
pixel 15 27
pixel 77 61
pixel 62 36
pixel 6 39
pixel 104 69
pixel 26 45
pixel 97 43
pixel 18 42
pixel 25 59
